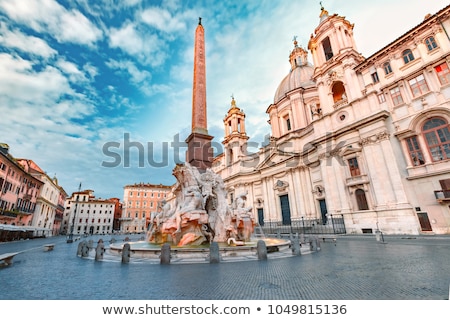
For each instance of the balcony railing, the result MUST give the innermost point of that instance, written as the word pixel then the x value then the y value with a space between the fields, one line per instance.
pixel 442 195
pixel 9 214
pixel 125 219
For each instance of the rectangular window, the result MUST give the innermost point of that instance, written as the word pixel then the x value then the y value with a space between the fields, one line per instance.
pixel 381 98
pixel 431 43
pixel 415 153
pixel 443 73
pixel 418 85
pixel 288 124
pixel 354 167
pixel 375 78
pixel 396 96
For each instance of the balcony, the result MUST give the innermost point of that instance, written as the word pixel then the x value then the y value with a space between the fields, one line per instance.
pixel 8 214
pixel 442 195
pixel 357 180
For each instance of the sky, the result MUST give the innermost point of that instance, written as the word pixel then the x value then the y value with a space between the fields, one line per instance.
pixel 99 92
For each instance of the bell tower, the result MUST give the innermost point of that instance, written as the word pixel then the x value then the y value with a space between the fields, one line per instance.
pixel 335 56
pixel 235 140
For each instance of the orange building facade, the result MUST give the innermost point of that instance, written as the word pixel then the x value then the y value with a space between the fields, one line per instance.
pixel 19 191
pixel 139 201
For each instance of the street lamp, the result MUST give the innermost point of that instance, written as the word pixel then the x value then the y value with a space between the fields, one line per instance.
pixel 70 237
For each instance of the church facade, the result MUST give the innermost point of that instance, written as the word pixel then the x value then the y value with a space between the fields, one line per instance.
pixel 366 139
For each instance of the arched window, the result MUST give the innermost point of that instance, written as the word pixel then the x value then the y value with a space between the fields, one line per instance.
pixel 431 43
pixel 361 200
pixel 437 138
pixel 407 56
pixel 339 91
pixel 327 50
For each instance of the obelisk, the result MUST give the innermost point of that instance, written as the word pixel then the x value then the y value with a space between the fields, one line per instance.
pixel 199 152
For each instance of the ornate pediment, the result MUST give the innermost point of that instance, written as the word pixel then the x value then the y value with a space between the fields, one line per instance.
pixel 280 185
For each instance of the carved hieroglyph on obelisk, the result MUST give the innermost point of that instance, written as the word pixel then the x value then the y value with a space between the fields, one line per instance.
pixel 199 152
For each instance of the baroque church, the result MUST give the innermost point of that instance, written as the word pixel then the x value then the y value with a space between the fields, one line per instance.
pixel 364 139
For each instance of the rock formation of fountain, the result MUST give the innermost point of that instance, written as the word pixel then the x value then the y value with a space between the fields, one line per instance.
pixel 199 214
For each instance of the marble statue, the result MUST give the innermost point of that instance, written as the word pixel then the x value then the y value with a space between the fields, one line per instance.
pixel 199 213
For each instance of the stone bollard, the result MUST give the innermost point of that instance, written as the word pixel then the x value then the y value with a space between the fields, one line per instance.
pixel 99 250
pixel 214 253
pixel 302 238
pixel 126 253
pixel 278 234
pixel 261 249
pixel 296 248
pixel 379 236
pixel 113 240
pixel 84 250
pixel 315 246
pixel 165 254
pixel 80 248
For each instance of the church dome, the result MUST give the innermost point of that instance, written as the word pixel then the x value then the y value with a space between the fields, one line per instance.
pixel 299 76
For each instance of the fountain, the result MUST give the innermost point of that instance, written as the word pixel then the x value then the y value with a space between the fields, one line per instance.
pixel 197 224
pixel 198 216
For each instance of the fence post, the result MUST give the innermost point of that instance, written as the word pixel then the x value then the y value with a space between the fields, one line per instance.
pixel 303 224
pixel 343 224
pixel 332 222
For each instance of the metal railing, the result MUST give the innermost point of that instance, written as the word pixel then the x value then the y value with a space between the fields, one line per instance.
pixel 333 225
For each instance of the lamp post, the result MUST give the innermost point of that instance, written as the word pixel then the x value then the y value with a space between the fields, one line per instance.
pixel 70 237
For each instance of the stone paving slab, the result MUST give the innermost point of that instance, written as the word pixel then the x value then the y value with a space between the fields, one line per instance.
pixel 352 268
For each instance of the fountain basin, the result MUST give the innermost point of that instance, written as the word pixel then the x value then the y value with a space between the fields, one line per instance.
pixel 143 251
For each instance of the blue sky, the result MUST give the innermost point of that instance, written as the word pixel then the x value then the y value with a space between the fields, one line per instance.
pixel 80 77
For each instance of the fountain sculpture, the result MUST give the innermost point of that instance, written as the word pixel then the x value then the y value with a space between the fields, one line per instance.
pixel 200 213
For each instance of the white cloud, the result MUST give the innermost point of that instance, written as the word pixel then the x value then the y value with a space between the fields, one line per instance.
pixel 29 44
pixel 19 82
pixel 71 70
pixel 162 20
pixel 146 48
pixel 50 17
pixel 137 76
pixel 75 27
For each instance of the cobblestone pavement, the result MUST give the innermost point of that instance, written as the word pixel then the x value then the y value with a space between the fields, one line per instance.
pixel 353 268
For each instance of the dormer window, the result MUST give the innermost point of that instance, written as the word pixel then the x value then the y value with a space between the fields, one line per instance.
pixel 407 56
pixel 327 50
